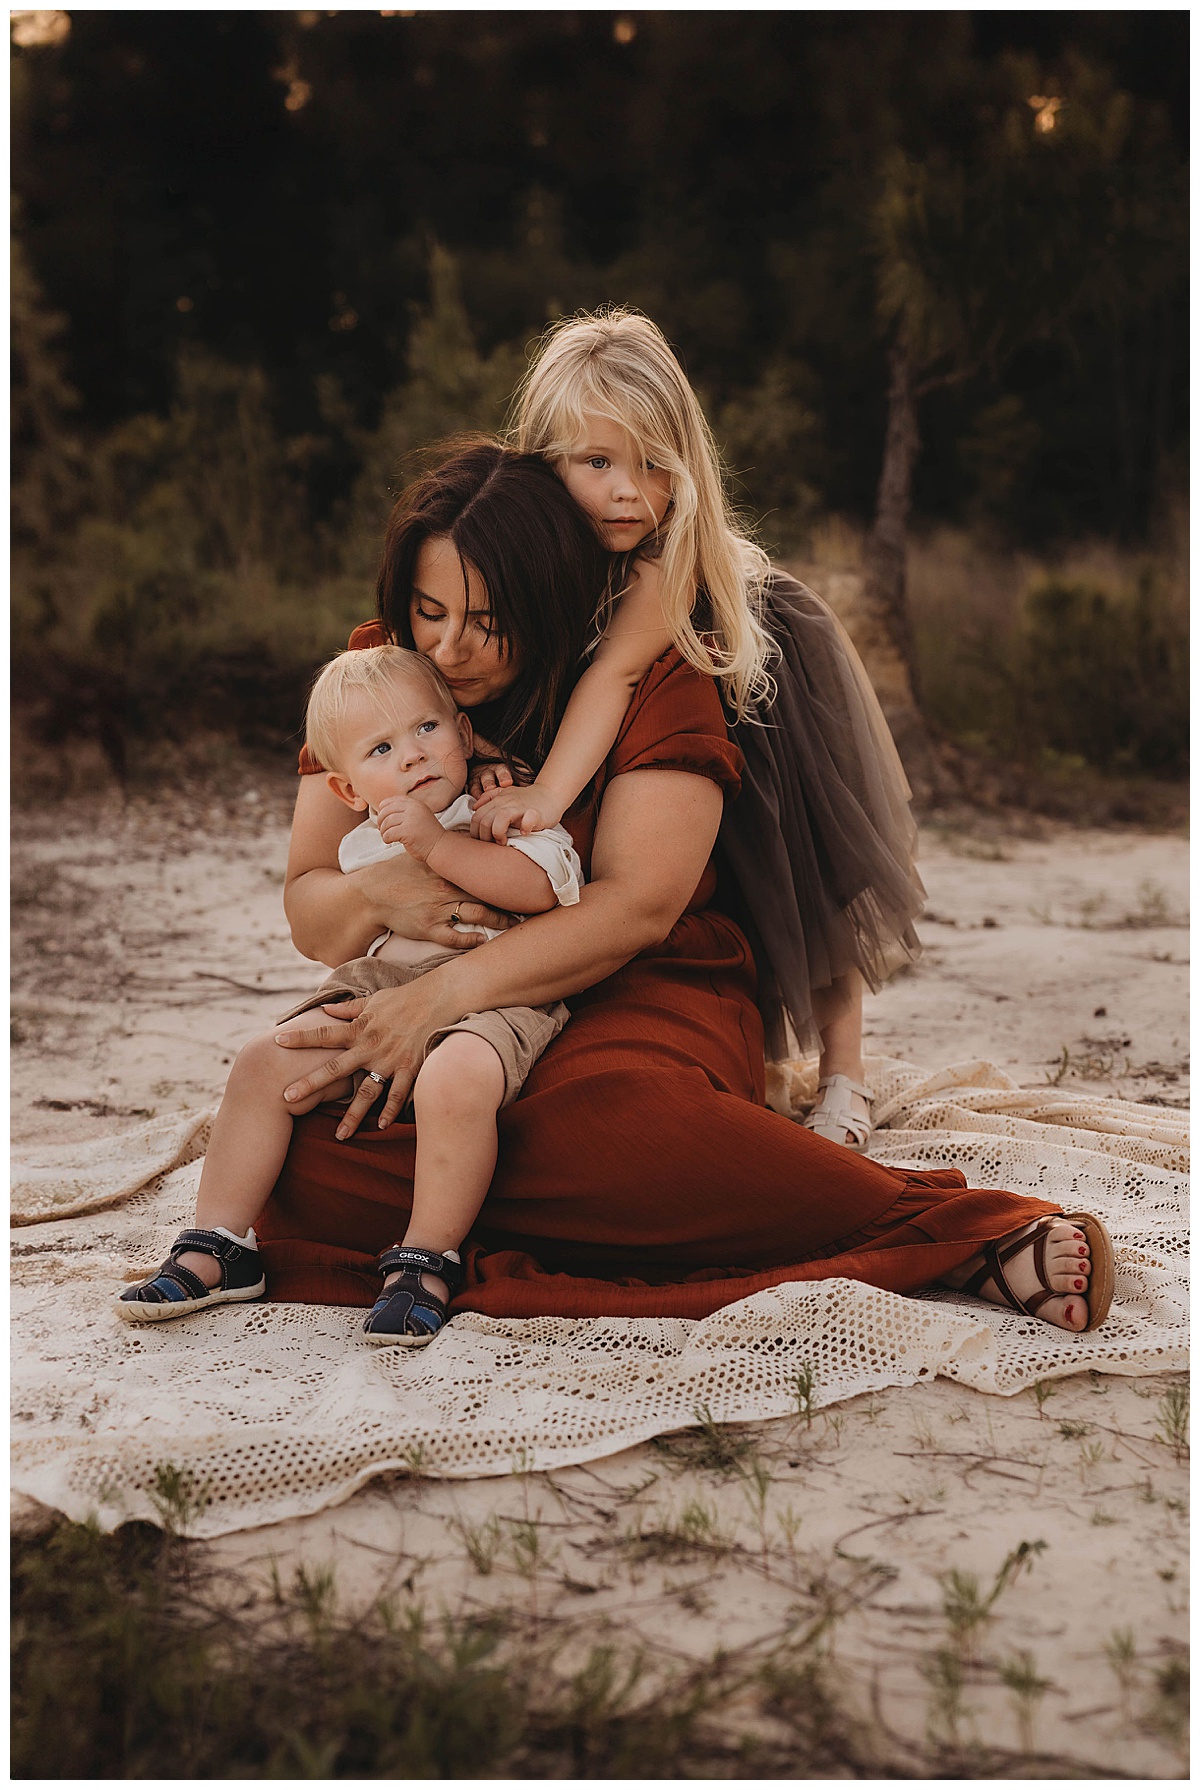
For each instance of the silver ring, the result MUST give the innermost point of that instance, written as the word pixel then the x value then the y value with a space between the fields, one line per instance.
pixel 373 1076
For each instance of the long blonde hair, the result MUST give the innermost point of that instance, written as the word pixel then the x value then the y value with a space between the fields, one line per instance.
pixel 616 364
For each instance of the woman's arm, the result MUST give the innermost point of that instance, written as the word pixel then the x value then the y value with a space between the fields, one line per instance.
pixel 653 839
pixel 334 917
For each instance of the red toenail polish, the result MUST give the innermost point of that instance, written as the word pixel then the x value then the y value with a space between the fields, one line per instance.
pixel 1079 1286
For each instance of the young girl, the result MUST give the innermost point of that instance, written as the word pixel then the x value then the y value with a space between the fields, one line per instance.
pixel 820 842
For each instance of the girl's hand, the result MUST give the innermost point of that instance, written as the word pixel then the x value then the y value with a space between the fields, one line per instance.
pixel 386 1032
pixel 528 810
pixel 414 902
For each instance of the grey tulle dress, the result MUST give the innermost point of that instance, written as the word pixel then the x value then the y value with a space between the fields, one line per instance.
pixel 819 847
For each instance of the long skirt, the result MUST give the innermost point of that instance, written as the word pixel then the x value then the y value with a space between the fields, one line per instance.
pixel 640 1173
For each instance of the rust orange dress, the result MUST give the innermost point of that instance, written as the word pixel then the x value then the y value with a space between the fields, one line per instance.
pixel 640 1173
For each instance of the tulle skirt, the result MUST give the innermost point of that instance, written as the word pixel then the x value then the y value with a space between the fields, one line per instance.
pixel 819 847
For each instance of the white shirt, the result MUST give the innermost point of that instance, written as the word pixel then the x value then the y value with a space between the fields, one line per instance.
pixel 551 849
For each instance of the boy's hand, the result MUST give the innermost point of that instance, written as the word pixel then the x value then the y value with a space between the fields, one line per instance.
pixel 501 811
pixel 405 821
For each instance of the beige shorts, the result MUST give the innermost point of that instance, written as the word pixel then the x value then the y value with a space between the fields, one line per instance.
pixel 518 1035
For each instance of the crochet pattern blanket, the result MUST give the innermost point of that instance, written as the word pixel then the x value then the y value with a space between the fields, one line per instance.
pixel 282 1410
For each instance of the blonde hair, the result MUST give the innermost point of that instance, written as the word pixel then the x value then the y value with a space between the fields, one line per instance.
pixel 616 364
pixel 370 672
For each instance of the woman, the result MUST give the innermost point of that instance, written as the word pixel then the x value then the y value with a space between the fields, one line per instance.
pixel 640 1172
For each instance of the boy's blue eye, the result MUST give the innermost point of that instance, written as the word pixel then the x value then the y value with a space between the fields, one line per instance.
pixel 427 727
pixel 598 462
pixel 383 747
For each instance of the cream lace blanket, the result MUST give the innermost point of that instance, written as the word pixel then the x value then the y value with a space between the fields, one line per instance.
pixel 283 1410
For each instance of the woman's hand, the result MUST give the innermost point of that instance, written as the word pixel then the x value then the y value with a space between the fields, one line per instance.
pixel 386 1033
pixel 416 903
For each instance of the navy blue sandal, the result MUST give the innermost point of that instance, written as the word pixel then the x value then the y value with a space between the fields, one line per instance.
pixel 406 1312
pixel 173 1291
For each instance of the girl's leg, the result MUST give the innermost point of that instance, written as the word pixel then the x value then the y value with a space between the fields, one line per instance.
pixel 456 1098
pixel 838 1012
pixel 250 1136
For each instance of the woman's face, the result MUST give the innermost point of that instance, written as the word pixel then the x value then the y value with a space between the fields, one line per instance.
pixel 452 625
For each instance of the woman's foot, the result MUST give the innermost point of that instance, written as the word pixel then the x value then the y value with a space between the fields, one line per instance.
pixel 1050 1282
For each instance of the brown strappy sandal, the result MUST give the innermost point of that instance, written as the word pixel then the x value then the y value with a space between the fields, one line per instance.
pixel 1099 1293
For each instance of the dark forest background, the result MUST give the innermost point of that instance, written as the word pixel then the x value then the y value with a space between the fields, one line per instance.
pixel 260 258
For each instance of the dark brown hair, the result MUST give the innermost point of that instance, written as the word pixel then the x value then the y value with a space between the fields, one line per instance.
pixel 544 568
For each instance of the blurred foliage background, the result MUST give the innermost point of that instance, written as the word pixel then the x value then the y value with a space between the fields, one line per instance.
pixel 259 259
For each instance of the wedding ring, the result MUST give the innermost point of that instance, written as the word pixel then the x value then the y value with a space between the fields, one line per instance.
pixel 373 1076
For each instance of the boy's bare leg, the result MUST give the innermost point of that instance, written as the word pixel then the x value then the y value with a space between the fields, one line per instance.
pixel 456 1098
pixel 250 1136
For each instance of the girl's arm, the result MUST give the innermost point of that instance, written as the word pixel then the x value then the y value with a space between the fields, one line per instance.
pixel 653 838
pixel 334 917
pixel 636 636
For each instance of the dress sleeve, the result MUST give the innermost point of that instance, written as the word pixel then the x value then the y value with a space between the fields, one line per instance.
pixel 675 723
pixel 366 634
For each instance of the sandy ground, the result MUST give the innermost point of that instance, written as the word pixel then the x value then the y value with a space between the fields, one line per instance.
pixel 149 944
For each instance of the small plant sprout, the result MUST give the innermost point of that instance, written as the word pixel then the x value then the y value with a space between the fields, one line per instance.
pixel 804 1388
pixel 756 1484
pixel 789 1524
pixel 1072 1431
pixel 1090 1456
pixel 1064 1063
pixel 945 1674
pixel 923 1433
pixel 481 1540
pixel 1042 1390
pixel 1122 1660
pixel 1153 908
pixel 1174 1414
pixel 179 1498
pixel 1168 1711
pixel 1021 1677
pixel 416 1459
pixel 966 1607
pixel 315 1592
pixel 527 1546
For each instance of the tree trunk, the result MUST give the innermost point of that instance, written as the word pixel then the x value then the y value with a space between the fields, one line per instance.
pixel 888 646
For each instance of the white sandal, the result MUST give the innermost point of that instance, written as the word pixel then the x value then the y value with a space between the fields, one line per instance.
pixel 833 1118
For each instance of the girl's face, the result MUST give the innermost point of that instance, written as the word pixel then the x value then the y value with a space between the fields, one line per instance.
pixel 453 626
pixel 627 500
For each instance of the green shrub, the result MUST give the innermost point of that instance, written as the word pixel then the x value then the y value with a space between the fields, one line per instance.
pixel 1084 674
pixel 1104 675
